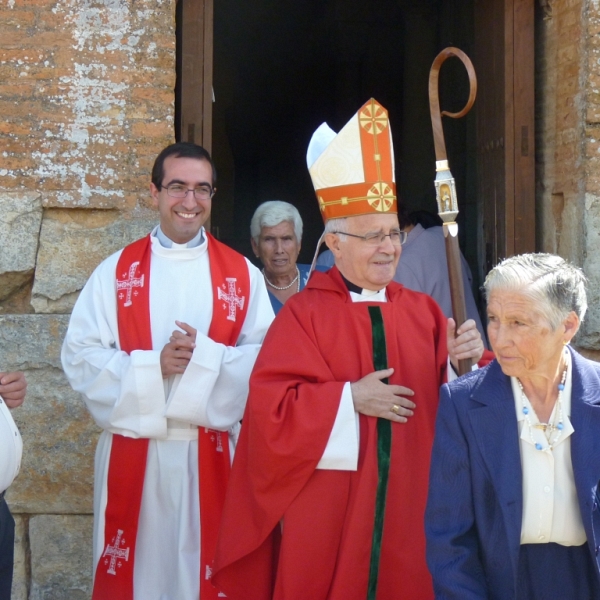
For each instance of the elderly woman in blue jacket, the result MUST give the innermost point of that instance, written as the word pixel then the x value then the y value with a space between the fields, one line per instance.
pixel 513 499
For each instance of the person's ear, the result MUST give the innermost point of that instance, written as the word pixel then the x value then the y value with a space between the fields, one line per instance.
pixel 333 242
pixel 254 247
pixel 154 191
pixel 571 325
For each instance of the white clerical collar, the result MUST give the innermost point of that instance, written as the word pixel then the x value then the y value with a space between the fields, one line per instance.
pixel 369 296
pixel 190 251
pixel 366 292
pixel 358 294
pixel 166 242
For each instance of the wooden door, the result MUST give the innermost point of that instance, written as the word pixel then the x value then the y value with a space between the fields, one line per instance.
pixel 196 71
pixel 504 61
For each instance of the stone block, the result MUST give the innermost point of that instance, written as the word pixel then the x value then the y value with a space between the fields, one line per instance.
pixel 590 334
pixel 72 244
pixel 59 436
pixel 29 342
pixel 20 220
pixel 97 198
pixel 21 569
pixel 61 557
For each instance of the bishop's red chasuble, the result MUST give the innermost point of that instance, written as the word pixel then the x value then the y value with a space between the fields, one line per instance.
pixel 319 341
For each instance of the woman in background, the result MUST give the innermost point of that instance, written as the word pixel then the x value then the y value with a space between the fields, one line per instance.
pixel 276 237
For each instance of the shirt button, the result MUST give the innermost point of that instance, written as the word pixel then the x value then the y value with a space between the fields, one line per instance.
pixel 542 537
pixel 547 489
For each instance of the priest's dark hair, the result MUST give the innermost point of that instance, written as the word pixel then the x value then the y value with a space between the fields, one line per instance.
pixel 180 150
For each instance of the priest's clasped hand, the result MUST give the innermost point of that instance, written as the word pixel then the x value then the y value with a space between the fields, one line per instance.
pixel 176 355
pixel 377 399
pixel 468 343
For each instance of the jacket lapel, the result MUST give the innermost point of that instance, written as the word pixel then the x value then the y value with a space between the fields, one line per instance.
pixel 494 423
pixel 585 442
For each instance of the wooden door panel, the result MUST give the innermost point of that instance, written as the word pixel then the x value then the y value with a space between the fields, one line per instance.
pixel 503 58
pixel 196 72
pixel 489 61
pixel 524 124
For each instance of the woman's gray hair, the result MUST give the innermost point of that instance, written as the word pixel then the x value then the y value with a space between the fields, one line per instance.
pixel 273 212
pixel 556 285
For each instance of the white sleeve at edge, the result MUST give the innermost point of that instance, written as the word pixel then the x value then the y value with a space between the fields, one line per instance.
pixel 452 374
pixel 341 452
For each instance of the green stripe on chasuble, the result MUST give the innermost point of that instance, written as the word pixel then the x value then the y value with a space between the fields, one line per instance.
pixel 384 439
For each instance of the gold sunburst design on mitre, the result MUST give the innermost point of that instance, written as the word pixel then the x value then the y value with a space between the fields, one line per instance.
pixel 381 197
pixel 321 204
pixel 373 118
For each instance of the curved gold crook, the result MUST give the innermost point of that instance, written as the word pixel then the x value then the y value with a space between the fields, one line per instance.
pixel 434 98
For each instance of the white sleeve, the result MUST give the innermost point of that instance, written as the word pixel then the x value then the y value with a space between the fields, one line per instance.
pixel 214 388
pixel 452 374
pixel 124 393
pixel 341 452
pixel 11 447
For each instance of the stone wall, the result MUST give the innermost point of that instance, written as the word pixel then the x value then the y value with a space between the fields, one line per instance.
pixel 86 98
pixel 568 143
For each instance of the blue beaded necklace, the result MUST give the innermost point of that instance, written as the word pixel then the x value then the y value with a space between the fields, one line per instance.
pixel 553 430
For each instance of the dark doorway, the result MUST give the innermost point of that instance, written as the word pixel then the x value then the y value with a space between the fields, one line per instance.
pixel 282 67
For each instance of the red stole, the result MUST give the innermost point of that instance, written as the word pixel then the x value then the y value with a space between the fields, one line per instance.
pixel 126 471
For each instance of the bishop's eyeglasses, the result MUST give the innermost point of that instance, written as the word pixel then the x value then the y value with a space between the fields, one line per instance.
pixel 397 237
pixel 201 192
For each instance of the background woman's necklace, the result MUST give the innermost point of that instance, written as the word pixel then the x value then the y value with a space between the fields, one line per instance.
pixel 284 287
pixel 553 430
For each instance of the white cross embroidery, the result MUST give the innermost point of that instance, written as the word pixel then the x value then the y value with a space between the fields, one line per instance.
pixel 116 552
pixel 215 436
pixel 130 283
pixel 231 298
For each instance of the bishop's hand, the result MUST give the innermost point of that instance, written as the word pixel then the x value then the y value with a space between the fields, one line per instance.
pixel 176 355
pixel 466 344
pixel 377 399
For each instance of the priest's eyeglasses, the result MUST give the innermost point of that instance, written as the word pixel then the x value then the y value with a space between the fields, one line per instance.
pixel 397 237
pixel 202 192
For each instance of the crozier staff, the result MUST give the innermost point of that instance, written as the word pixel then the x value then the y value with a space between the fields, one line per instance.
pixel 445 186
pixel 513 494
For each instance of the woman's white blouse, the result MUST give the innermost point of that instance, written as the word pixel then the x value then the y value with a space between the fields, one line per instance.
pixel 550 506
pixel 11 447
